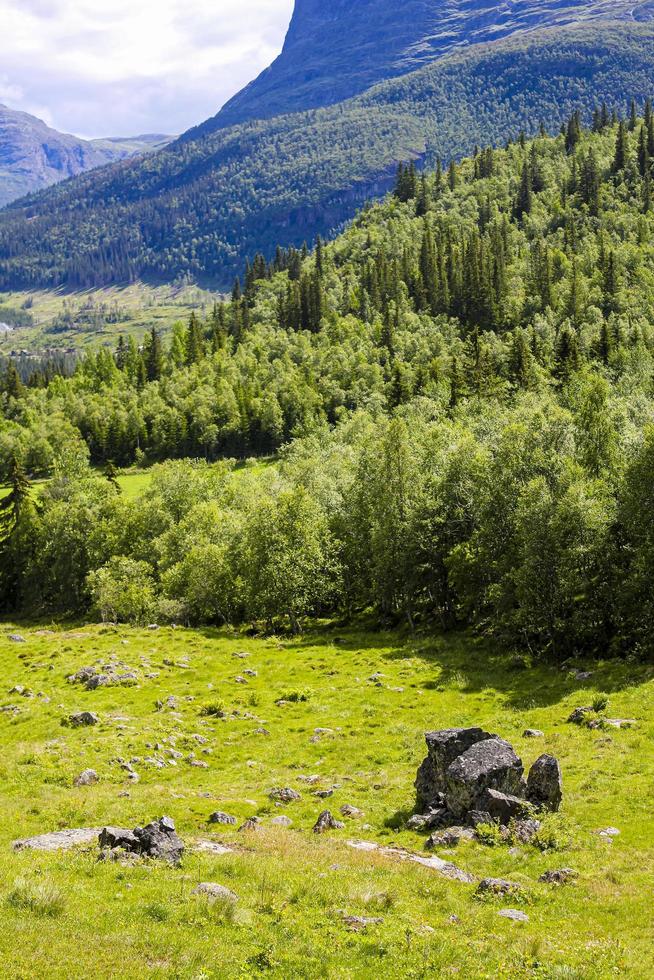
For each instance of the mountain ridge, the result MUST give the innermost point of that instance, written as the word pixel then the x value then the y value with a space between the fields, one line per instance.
pixel 33 155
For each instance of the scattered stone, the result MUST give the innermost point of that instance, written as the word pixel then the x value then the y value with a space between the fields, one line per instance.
pixel 498 886
pixel 60 840
pixel 284 795
pixel 222 818
pixel 427 821
pixel 524 831
pixel 515 914
pixel 326 822
pixel 324 794
pixel 251 673
pixel 476 818
pixel 620 722
pixel 445 868
pixel 214 892
pixel 252 823
pixel 533 733
pixel 545 783
pixel 117 837
pixel 281 821
pixel 578 716
pixel 449 838
pixel 609 832
pixel 351 811
pixel 87 778
pixel 83 718
pixel 561 876
pixel 16 638
pixel 358 923
pixel 213 847
pixel 583 675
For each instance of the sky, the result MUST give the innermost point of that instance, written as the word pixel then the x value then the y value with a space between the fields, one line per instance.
pixel 125 67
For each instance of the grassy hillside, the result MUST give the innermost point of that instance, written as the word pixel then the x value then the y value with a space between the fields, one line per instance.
pixel 200 207
pixel 59 320
pixel 65 913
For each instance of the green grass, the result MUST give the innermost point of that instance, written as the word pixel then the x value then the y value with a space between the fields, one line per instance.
pixel 141 307
pixel 65 915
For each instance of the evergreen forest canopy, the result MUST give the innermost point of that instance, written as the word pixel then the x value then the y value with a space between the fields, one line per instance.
pixel 208 201
pixel 461 391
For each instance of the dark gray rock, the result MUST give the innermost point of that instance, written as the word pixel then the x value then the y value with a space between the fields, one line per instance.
pixel 83 718
pixel 113 837
pixel 533 733
pixel 578 716
pixel 443 747
pixel 545 783
pixel 284 795
pixel 561 876
pixel 327 822
pixel 476 817
pixel 524 831
pixel 222 818
pixel 449 838
pixel 489 764
pixel 427 821
pixel 502 807
pixel 159 840
pixel 87 778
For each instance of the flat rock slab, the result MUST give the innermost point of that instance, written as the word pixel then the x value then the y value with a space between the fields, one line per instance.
pixel 446 868
pixel 212 847
pixel 60 840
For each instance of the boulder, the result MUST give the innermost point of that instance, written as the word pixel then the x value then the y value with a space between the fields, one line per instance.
pixel 284 795
pixel 427 821
pixel 578 716
pixel 502 807
pixel 488 764
pixel 113 837
pixel 443 747
pixel 159 840
pixel 545 783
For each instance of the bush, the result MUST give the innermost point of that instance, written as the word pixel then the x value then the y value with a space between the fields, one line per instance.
pixel 123 590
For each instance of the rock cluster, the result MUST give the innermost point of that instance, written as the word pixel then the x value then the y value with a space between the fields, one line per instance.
pixel 470 776
pixel 157 840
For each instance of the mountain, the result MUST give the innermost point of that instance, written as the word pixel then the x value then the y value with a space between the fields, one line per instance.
pixel 221 193
pixel 338 49
pixel 34 156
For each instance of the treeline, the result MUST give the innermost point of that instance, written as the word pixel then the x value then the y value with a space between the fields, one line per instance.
pixel 199 208
pixel 463 383
pixel 508 272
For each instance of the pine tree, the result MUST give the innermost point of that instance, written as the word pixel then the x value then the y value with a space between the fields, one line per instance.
pixel 13 385
pixel 524 199
pixel 154 360
pixel 12 507
pixel 620 155
pixel 452 176
pixel 194 341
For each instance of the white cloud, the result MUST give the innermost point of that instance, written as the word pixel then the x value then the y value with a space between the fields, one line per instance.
pixel 134 66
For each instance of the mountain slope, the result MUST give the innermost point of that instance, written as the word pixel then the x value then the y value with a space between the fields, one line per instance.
pixel 336 50
pixel 200 208
pixel 34 156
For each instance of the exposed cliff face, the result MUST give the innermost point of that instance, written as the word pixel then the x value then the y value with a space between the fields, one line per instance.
pixel 33 156
pixel 338 48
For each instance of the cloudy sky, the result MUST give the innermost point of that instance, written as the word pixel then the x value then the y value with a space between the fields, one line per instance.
pixel 123 67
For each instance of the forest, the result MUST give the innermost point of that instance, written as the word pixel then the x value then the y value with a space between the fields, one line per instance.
pixel 458 392
pixel 208 201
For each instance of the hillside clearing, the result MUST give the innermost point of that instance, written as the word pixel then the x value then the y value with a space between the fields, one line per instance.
pixel 70 913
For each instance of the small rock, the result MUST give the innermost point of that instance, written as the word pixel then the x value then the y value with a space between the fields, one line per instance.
pixel 561 876
pixel 515 914
pixel 214 892
pixel 351 811
pixel 222 818
pixel 427 821
pixel 87 778
pixel 502 807
pixel 578 716
pixel 281 821
pixel 252 823
pixel 583 675
pixel 609 832
pixel 326 822
pixel 448 838
pixel 533 733
pixel 82 719
pixel 323 794
pixel 498 886
pixel 16 638
pixel 524 831
pixel 477 817
pixel 620 722
pixel 284 795
pixel 359 923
